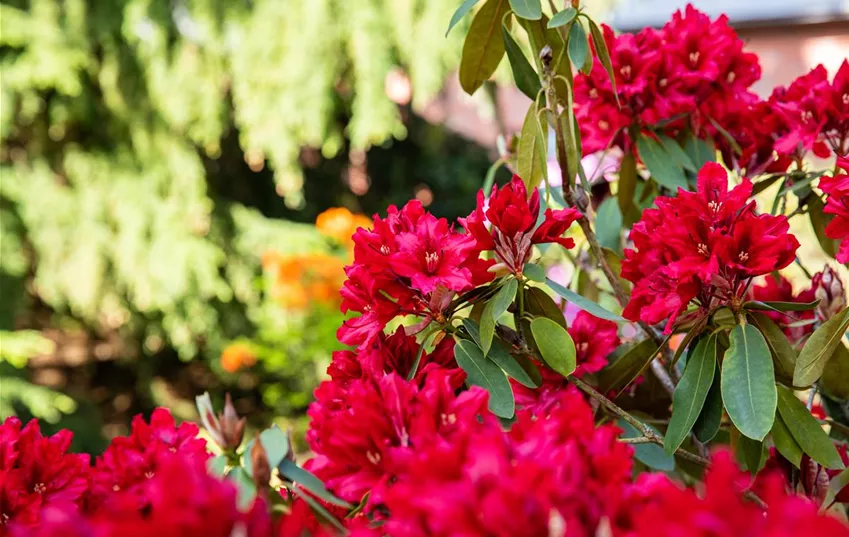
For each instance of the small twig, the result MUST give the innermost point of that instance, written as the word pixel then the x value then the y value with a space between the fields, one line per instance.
pixel 638 440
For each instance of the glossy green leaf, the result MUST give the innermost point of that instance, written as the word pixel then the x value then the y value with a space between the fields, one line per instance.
pixel 763 184
pixel 562 17
pixel 276 445
pixel 622 372
pixel 780 306
pixel 534 272
pixel 532 150
pixel 819 349
pixel 484 46
pixel 321 512
pixel 502 357
pixel 819 221
pixel 291 471
pixel 681 158
pixel 527 80
pixel 608 225
pixel 691 392
pixel 785 443
pixel 748 382
pixel 540 304
pixel 652 455
pixel 494 309
pixel 700 151
pixel 555 345
pixel 627 183
pixel 461 12
pixel 480 371
pixel 217 465
pixel 835 377
pixel 662 167
pixel 578 45
pixel 245 487
pixel 603 55
pixel 583 303
pixel 807 430
pixel 837 484
pixel 782 352
pixel 527 9
pixel 710 419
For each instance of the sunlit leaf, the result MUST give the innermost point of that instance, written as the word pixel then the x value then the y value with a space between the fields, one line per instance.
pixel 578 45
pixel 484 46
pixel 562 17
pixel 806 430
pixel 527 80
pixel 819 348
pixel 532 150
pixel 555 345
pixel 782 351
pixel 662 167
pixel 583 303
pixel 461 12
pixel 482 372
pixel 527 9
pixel 691 392
pixel 494 309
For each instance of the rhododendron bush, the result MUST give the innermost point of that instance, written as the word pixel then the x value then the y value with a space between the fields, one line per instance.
pixel 579 356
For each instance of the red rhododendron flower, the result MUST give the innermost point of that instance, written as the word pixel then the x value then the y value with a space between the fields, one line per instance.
pixel 410 263
pixel 704 246
pixel 662 508
pixel 128 464
pixel 837 204
pixel 513 221
pixel 550 475
pixel 37 473
pixel 364 430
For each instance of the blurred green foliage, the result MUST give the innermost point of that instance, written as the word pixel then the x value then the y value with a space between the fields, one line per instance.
pixel 152 148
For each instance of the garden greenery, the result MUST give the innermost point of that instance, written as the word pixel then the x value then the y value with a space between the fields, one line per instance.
pixel 691 393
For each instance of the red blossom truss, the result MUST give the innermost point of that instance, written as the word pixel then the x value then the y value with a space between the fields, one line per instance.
pixel 703 247
pixel 837 204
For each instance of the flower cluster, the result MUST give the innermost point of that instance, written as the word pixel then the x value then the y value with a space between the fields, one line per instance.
pixel 409 263
pixel 299 281
pixel 692 69
pixel 703 246
pixel 665 509
pixel 837 204
pixel 513 229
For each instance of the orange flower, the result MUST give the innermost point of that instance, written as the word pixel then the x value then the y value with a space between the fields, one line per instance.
pixel 236 356
pixel 301 280
pixel 340 224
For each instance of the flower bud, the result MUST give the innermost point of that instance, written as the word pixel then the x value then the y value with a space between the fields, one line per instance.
pixel 829 290
pixel 260 466
pixel 232 427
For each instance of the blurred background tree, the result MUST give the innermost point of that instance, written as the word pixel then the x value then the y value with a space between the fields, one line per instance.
pixel 153 151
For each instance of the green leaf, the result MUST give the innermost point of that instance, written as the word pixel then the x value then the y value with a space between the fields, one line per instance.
pixel 499 354
pixel 583 303
pixel 608 223
pixel 472 329
pixel 691 335
pixel 627 183
pixel 245 487
pixel 700 151
pixel 835 377
pixel 532 150
pixel 691 392
pixel 217 465
pixel 782 352
pixel 534 272
pixel 748 382
pixel 674 150
pixel 819 349
pixel 752 453
pixel 489 179
pixel 483 48
pixel 578 45
pixel 661 166
pixel 276 445
pixel 527 9
pixel 461 12
pixel 306 479
pixel 562 17
pixel 604 55
pixel 785 443
pixel 484 373
pixel 540 304
pixel 493 310
pixel 725 134
pixel 710 419
pixel 819 221
pixel 555 345
pixel 763 184
pixel 780 306
pixel 627 367
pixel 526 78
pixel 807 430
pixel 652 455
